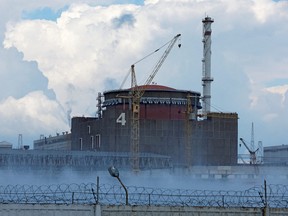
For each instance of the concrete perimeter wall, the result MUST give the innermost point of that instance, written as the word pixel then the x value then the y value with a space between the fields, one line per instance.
pixel 97 210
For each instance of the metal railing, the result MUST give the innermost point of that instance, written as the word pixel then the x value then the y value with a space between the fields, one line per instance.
pixel 277 195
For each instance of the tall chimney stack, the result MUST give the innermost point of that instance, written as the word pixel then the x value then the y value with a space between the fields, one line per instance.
pixel 206 65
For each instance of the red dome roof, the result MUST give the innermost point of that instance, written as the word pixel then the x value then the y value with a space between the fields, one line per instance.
pixel 156 87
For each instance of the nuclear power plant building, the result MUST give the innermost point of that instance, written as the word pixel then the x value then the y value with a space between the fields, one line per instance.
pixel 166 128
pixel 150 122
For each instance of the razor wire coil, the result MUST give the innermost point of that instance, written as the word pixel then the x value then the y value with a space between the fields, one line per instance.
pixel 277 195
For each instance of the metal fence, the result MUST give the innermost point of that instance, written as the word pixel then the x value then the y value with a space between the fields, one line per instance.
pixel 275 195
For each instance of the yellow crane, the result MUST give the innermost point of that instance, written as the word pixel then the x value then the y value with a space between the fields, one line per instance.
pixel 188 131
pixel 136 94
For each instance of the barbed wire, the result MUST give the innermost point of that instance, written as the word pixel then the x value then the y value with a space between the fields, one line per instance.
pixel 277 195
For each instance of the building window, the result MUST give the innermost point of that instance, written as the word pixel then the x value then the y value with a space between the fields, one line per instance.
pixel 92 142
pixel 89 129
pixel 81 144
pixel 97 141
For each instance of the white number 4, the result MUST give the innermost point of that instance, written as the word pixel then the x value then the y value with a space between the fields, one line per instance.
pixel 121 119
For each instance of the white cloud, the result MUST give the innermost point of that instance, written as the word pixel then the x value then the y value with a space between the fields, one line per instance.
pixel 266 9
pixel 86 47
pixel 30 115
pixel 281 90
pixel 90 48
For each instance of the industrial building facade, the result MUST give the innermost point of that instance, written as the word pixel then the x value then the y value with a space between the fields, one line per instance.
pixel 58 142
pixel 165 128
pixel 276 155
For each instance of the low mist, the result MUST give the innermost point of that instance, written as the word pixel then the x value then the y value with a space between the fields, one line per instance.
pixel 172 179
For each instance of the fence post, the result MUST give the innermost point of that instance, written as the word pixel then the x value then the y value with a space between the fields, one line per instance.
pixel 149 199
pixel 266 205
pixel 97 190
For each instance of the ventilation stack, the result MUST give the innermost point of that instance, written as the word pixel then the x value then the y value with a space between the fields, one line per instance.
pixel 206 65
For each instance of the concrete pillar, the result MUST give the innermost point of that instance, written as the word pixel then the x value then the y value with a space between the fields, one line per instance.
pixel 97 210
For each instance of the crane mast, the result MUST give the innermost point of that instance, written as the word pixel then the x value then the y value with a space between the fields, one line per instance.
pixel 251 152
pixel 188 112
pixel 136 94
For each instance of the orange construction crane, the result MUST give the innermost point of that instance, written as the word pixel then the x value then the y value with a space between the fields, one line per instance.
pixel 136 93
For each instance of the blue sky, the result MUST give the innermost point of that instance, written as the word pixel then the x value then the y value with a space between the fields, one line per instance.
pixel 43 13
pixel 56 56
pixel 49 13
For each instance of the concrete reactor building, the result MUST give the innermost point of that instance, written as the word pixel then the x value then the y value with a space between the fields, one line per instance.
pixel 161 121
